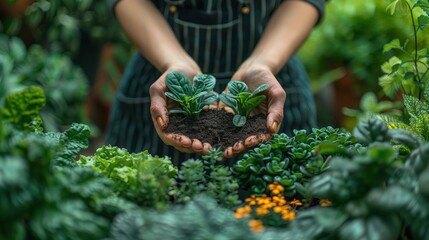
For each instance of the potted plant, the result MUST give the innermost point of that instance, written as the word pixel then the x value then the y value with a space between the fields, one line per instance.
pixel 220 128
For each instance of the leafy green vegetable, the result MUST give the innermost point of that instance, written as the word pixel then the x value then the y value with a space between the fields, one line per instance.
pixel 139 177
pixel 241 100
pixel 192 97
pixel 22 109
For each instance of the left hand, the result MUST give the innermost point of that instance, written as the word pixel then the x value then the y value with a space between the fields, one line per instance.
pixel 254 74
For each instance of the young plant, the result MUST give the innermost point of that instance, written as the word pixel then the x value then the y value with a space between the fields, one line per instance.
pixel 192 96
pixel 241 100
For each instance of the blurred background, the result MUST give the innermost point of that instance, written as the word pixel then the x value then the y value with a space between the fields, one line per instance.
pixel 77 52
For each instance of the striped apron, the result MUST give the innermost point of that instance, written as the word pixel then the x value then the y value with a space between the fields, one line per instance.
pixel 219 35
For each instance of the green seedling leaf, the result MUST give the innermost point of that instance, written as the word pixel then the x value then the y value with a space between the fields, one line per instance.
pixel 192 97
pixel 239 120
pixel 241 100
pixel 235 87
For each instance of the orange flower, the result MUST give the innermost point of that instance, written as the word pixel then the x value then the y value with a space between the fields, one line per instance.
pixel 296 202
pixel 325 203
pixel 262 211
pixel 256 226
pixel 289 215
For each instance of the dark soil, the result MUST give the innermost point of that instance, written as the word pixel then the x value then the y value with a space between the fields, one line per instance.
pixel 216 127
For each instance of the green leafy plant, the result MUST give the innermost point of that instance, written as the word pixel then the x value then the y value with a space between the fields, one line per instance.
pixel 64 83
pixel 192 96
pixel 341 43
pixel 409 70
pixel 43 200
pixel 210 177
pixel 139 177
pixel 406 73
pixel 241 100
pixel 292 161
pixel 198 219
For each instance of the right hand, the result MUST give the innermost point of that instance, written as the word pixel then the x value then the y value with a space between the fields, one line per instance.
pixel 160 105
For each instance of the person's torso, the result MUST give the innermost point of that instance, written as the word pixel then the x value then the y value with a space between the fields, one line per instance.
pixel 218 34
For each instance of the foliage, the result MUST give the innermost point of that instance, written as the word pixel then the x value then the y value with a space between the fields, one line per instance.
pixel 63 25
pixel 201 218
pixel 351 35
pixel 409 70
pixel 192 96
pixel 139 177
pixel 210 177
pixel 41 200
pixel 292 161
pixel 241 100
pixel 406 74
pixel 22 109
pixel 374 194
pixel 64 83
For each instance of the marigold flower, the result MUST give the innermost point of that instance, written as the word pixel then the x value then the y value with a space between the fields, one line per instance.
pixel 325 203
pixel 261 211
pixel 278 209
pixel 289 216
pixel 296 202
pixel 256 226
pixel 276 188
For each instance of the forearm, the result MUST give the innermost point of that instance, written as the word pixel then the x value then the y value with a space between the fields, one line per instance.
pixel 150 33
pixel 286 31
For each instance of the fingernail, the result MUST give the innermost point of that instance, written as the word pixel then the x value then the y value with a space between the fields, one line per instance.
pixel 160 121
pixel 274 126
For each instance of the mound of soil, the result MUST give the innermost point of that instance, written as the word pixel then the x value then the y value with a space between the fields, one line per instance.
pixel 216 127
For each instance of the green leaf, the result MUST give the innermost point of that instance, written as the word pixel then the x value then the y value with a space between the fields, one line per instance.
pixel 391 8
pixel 209 98
pixel 259 89
pixel 394 44
pixel 372 227
pixel 178 84
pixel 235 87
pixel 412 105
pixel 423 22
pixel 204 83
pixel 239 120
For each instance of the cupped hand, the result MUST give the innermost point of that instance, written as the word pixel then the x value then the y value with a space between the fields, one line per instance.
pixel 254 74
pixel 160 104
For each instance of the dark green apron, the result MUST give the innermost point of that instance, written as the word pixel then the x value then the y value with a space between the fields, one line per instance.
pixel 219 35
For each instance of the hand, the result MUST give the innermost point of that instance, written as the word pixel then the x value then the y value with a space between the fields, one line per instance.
pixel 160 104
pixel 255 74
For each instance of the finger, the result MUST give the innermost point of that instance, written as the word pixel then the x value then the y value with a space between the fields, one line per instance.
pixel 228 153
pixel 197 146
pixel 238 147
pixel 158 105
pixel 251 141
pixel 206 148
pixel 277 97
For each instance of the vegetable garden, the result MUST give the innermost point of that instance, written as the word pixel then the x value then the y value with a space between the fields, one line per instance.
pixel 368 182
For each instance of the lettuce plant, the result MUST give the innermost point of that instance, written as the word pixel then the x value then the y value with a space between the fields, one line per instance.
pixel 241 100
pixel 192 96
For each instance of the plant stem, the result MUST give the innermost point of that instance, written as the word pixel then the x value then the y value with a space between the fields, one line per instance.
pixel 415 48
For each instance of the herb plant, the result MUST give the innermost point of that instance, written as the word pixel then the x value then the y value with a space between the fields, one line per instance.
pixel 208 176
pixel 192 96
pixel 241 100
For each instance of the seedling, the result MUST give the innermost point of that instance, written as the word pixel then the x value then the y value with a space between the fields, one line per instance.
pixel 242 101
pixel 192 96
